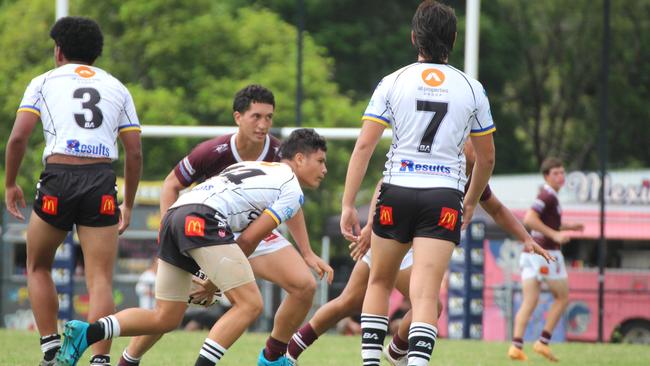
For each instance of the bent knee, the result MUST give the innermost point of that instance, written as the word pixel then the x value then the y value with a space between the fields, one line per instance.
pixel 305 287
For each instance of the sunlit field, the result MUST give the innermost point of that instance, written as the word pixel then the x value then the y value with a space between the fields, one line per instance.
pixel 20 348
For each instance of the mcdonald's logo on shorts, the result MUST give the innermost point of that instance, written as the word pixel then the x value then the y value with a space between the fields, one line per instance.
pixel 543 270
pixel 448 218
pixel 50 205
pixel 194 226
pixel 108 205
pixel 385 215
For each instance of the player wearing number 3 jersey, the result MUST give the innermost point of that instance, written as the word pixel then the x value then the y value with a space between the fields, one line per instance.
pixel 84 110
pixel 432 108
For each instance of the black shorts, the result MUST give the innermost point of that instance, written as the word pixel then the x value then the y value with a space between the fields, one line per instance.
pixel 190 227
pixel 404 213
pixel 77 194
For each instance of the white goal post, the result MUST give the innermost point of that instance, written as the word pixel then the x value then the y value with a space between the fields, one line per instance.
pixel 157 131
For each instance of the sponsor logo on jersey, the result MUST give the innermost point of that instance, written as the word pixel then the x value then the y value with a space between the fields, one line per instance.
pixel 50 204
pixel 76 147
pixel 84 71
pixel 385 215
pixel 411 166
pixel 108 205
pixel 448 218
pixel 221 148
pixel 270 237
pixel 287 212
pixel 194 226
pixel 433 77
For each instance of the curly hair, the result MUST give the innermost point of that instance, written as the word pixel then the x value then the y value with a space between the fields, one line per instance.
pixel 252 94
pixel 302 140
pixel 80 39
pixel 434 30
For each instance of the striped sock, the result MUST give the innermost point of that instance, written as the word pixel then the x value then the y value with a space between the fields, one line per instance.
pixel 111 327
pixel 373 332
pixel 422 339
pixel 302 339
pixel 210 354
pixel 398 347
pixel 128 360
pixel 518 342
pixel 101 360
pixel 49 345
pixel 545 338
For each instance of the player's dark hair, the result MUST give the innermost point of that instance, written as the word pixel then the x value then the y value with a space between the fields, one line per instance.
pixel 434 30
pixel 252 94
pixel 80 39
pixel 550 163
pixel 302 140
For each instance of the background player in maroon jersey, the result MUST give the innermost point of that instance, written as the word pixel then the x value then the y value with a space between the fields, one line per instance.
pixel 544 219
pixel 275 260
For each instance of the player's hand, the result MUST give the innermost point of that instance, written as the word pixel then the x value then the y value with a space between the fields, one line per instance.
pixel 578 227
pixel 468 212
pixel 203 292
pixel 359 248
pixel 125 218
pixel 320 267
pixel 14 198
pixel 561 238
pixel 350 227
pixel 531 246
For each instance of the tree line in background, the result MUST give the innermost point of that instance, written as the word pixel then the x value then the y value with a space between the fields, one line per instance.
pixel 184 60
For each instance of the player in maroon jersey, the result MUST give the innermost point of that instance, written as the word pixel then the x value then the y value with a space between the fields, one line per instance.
pixel 275 259
pixel 544 218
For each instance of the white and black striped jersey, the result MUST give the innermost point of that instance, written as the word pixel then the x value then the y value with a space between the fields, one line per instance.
pixel 83 109
pixel 432 109
pixel 243 191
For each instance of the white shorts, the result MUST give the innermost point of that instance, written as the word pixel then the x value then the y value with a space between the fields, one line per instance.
pixel 406 262
pixel 535 266
pixel 272 243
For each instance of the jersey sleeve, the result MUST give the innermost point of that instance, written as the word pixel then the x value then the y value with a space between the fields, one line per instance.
pixel 288 203
pixel 129 118
pixel 482 122
pixel 377 110
pixel 192 167
pixel 542 202
pixel 33 98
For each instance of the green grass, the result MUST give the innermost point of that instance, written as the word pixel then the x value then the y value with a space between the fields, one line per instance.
pixel 20 348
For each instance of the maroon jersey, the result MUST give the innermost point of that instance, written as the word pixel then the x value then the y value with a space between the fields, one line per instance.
pixel 487 192
pixel 548 208
pixel 210 157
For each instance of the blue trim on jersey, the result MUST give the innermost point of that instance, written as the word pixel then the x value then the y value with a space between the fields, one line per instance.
pixel 129 125
pixel 483 129
pixel 378 117
pixel 30 107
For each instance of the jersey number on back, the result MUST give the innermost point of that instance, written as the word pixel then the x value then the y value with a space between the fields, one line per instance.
pixel 440 110
pixel 90 98
pixel 237 175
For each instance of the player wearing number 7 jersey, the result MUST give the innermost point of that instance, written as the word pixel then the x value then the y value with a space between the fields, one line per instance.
pixel 432 108
pixel 84 110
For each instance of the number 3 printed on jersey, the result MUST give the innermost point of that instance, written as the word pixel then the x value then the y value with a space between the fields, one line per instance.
pixel 89 100
pixel 440 110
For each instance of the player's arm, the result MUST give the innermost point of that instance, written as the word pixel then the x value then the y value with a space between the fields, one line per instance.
pixel 132 172
pixel 170 190
pixel 298 230
pixel 533 221
pixel 485 160
pixel 256 232
pixel 14 153
pixel 507 221
pixel 371 132
pixel 572 226
pixel 361 246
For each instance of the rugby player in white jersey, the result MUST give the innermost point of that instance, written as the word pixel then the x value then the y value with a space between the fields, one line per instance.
pixel 197 232
pixel 350 300
pixel 432 108
pixel 275 259
pixel 84 110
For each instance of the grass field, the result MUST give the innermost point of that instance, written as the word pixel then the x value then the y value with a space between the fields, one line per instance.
pixel 20 348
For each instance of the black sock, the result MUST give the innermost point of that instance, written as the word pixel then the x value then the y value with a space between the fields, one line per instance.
pixel 95 332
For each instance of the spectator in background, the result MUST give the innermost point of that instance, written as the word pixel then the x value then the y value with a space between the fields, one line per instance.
pixel 146 287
